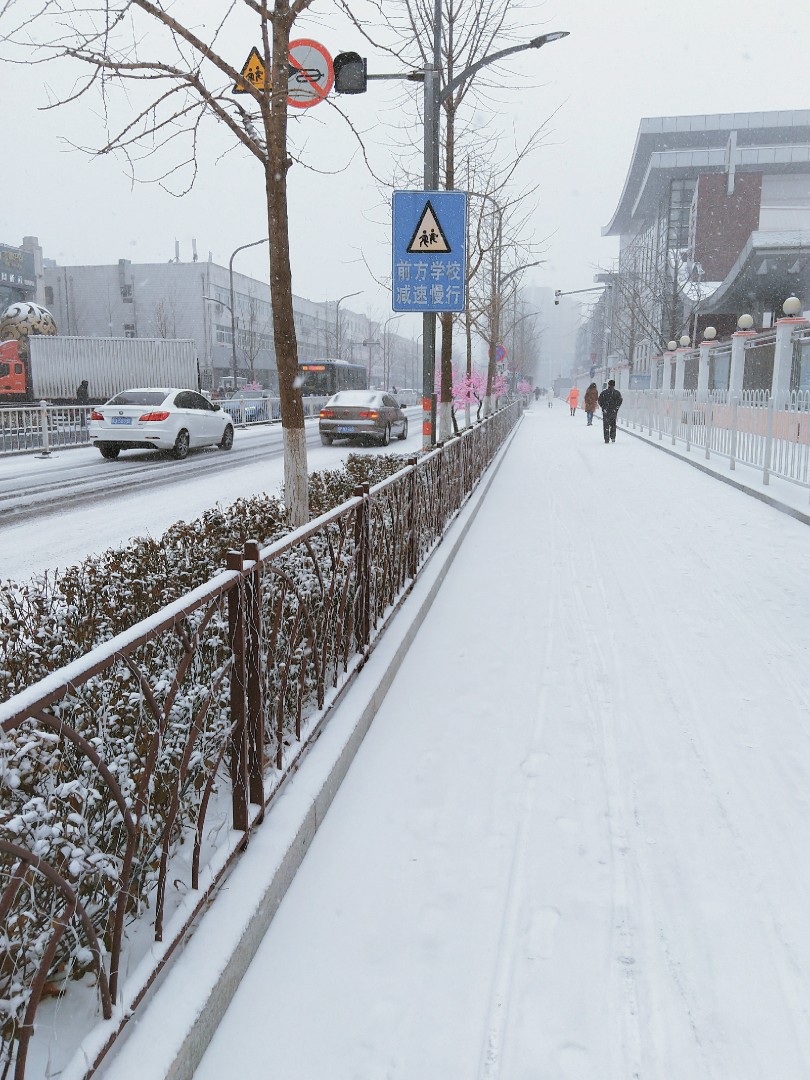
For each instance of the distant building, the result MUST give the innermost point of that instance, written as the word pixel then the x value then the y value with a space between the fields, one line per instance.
pixel 21 276
pixel 713 221
pixel 193 300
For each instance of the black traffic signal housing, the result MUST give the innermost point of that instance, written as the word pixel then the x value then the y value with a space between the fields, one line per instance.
pixel 350 73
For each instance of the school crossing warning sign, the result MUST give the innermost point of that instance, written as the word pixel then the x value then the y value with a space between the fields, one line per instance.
pixel 429 250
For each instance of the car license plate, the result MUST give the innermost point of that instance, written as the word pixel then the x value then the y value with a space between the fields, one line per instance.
pixel 121 420
pixel 344 429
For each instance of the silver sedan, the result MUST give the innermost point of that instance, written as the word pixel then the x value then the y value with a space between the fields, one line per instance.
pixel 368 415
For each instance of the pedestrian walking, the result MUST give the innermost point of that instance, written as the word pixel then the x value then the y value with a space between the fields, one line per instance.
pixel 591 401
pixel 82 393
pixel 550 397
pixel 573 399
pixel 610 400
pixel 537 392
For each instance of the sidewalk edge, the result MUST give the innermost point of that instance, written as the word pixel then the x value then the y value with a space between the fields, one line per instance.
pixel 151 1049
pixel 777 504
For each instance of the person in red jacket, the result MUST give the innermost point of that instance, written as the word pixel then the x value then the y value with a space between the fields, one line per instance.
pixel 573 399
pixel 591 401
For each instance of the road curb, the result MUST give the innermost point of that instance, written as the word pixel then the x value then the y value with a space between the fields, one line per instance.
pixel 225 940
pixel 769 500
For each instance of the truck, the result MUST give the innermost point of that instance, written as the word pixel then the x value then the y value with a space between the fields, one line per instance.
pixel 51 367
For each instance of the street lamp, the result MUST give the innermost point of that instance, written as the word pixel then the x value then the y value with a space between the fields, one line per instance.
pixel 433 99
pixel 253 243
pixel 348 296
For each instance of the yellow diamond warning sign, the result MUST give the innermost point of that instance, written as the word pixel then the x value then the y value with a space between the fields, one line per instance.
pixel 253 72
pixel 428 236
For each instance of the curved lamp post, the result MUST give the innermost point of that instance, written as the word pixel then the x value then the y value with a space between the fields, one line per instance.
pixel 230 307
pixel 348 296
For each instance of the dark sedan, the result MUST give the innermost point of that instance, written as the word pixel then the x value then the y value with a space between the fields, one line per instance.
pixel 368 415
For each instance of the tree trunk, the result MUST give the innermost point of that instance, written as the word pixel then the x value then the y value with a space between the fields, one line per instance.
pixel 296 475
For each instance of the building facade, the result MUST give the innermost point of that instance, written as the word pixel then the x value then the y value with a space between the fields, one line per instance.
pixel 713 221
pixel 194 300
pixel 21 273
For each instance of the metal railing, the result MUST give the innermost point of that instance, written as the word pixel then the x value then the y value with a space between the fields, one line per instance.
pixel 749 428
pixel 133 777
pixel 43 427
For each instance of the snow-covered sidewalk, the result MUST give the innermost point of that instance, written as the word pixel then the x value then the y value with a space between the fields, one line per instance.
pixel 573 844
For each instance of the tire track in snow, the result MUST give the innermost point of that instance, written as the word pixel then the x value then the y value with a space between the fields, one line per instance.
pixel 503 976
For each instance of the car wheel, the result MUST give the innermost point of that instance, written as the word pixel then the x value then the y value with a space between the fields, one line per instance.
pixel 386 436
pixel 404 434
pixel 109 451
pixel 180 450
pixel 226 442
pixel 326 440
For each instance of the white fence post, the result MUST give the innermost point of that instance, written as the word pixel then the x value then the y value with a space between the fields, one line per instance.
pixel 689 411
pixel 709 424
pixel 43 427
pixel 733 448
pixel 766 464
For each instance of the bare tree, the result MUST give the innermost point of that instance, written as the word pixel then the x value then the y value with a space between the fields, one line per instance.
pixel 171 76
pixel 656 292
pixel 253 334
pixel 471 30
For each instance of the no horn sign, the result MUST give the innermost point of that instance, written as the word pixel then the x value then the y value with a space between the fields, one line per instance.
pixel 429 251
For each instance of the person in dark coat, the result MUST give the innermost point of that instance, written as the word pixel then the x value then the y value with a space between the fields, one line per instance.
pixel 591 401
pixel 610 400
pixel 82 393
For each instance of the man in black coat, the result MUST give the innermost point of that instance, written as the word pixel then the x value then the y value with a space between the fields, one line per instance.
pixel 610 401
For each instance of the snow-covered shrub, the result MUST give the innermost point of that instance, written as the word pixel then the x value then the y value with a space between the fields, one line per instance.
pixel 160 736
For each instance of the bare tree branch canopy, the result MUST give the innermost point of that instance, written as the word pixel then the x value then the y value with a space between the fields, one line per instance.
pixel 471 31
pixel 161 71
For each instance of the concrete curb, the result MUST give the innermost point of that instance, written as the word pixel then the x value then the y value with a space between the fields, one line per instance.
pixel 769 500
pixel 198 986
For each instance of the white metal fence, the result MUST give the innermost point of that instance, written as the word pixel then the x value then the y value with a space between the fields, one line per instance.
pixel 749 427
pixel 43 428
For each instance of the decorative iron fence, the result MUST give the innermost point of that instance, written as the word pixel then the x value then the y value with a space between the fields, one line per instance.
pixel 750 428
pixel 133 777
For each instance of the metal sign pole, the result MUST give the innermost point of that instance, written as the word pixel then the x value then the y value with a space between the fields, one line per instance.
pixel 429 317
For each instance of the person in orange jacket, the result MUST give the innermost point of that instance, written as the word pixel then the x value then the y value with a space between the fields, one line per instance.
pixel 573 399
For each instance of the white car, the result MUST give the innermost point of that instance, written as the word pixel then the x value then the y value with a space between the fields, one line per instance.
pixel 160 419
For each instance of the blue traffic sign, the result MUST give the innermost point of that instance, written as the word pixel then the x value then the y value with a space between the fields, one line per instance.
pixel 429 251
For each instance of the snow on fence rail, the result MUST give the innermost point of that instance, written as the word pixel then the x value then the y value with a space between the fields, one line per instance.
pixel 132 777
pixel 750 427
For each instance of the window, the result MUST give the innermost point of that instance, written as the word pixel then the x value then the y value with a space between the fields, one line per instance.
pixel 49 295
pixel 129 330
pixel 126 294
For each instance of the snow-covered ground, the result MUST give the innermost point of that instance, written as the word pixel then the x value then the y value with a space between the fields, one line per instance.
pixel 573 844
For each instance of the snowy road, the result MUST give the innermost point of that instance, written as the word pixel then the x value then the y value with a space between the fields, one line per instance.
pixel 574 844
pixel 81 504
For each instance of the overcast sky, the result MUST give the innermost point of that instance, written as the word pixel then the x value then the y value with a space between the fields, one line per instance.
pixel 623 61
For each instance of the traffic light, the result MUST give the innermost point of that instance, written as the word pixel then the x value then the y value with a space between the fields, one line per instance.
pixel 350 73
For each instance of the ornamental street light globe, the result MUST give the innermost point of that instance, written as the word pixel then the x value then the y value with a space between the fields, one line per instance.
pixel 792 306
pixel 710 333
pixel 685 342
pixel 745 322
pixel 672 345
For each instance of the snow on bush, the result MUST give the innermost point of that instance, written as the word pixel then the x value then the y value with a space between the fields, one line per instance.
pixel 161 737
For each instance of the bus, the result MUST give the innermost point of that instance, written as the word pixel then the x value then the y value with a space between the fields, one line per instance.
pixel 322 378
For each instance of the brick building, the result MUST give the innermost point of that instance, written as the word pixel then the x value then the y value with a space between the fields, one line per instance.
pixel 713 221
